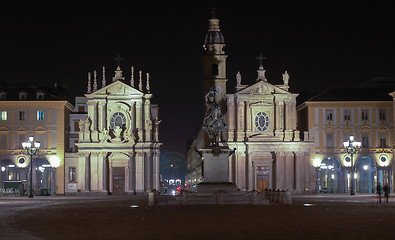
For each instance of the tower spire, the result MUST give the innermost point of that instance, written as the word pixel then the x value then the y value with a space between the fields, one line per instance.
pixel 89 83
pixel 148 86
pixel 94 81
pixel 132 76
pixel 140 81
pixel 103 81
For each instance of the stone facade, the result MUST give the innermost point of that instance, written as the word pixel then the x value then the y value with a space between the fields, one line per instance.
pixel 118 145
pixel 261 127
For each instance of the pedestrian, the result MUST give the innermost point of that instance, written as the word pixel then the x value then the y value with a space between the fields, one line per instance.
pixel 386 192
pixel 379 192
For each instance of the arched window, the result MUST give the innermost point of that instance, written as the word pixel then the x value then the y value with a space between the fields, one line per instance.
pixel 214 69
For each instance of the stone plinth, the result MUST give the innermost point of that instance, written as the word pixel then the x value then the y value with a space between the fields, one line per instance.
pixel 215 164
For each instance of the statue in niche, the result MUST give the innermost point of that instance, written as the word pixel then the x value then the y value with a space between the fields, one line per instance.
pixel 149 125
pixel 213 122
pixel 87 124
pixel 285 78
pixel 81 124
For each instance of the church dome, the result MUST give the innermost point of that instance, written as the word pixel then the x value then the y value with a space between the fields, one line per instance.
pixel 213 37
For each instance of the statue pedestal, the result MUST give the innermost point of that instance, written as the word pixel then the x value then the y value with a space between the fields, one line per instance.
pixel 216 170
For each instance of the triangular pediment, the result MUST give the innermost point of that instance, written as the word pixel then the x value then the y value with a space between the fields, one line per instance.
pixel 117 88
pixel 262 88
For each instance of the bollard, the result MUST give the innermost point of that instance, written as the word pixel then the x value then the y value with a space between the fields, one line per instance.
pixel 288 197
pixel 277 196
pixel 282 196
pixel 151 199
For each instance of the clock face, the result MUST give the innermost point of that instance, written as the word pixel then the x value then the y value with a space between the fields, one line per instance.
pixel 261 121
pixel 118 119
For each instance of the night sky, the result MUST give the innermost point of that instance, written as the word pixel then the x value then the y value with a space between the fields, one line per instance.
pixel 322 44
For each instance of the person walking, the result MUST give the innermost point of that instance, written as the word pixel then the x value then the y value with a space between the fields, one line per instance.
pixel 386 192
pixel 379 192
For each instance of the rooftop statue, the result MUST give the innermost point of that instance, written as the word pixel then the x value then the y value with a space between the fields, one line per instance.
pixel 213 122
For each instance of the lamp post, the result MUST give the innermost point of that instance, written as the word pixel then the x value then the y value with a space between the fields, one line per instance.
pixel 31 148
pixel 351 146
pixel 317 164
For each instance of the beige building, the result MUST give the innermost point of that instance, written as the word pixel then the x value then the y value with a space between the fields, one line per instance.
pixel 261 127
pixel 118 142
pixel 28 112
pixel 331 117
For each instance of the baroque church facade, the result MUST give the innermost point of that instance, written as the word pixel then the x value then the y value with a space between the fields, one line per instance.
pixel 118 141
pixel 261 128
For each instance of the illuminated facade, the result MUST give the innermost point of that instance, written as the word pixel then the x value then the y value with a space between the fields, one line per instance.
pixel 331 117
pixel 31 112
pixel 261 127
pixel 117 151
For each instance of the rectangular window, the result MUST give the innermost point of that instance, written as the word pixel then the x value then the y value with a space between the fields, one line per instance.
pixel 347 115
pixel 329 140
pixel 383 143
pixel 3 115
pixel 76 126
pixel 40 115
pixel 365 142
pixel 2 95
pixel 72 174
pixel 365 115
pixel 22 96
pixel 21 139
pixel 329 115
pixel 382 115
pixel 81 109
pixel 3 141
pixel 21 115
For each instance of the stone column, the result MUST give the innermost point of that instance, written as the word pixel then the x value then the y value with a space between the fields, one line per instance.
pixel 279 126
pixel 139 161
pixel 132 173
pixel 280 167
pixel 102 115
pixel 299 172
pixel 147 116
pixel 81 165
pixel 288 121
pixel 251 173
pixel 240 120
pixel 289 170
pixel 248 118
pixel 94 171
pixel 148 171
pixel 156 171
pixel 87 171
pixel 139 120
pixel 231 119
pixel 105 171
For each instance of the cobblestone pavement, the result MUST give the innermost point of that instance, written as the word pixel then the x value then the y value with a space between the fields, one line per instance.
pixel 332 216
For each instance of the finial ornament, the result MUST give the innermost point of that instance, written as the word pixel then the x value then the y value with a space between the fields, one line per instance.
pixel 286 78
pixel 260 58
pixel 132 76
pixel 94 81
pixel 118 59
pixel 140 81
pixel 103 81
pixel 238 78
pixel 89 83
pixel 148 86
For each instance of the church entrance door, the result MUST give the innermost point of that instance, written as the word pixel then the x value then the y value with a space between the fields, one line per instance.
pixel 262 176
pixel 118 181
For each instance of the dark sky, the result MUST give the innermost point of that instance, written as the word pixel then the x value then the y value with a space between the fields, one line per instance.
pixel 322 44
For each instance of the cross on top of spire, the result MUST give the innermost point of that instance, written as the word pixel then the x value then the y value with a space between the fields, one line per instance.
pixel 212 12
pixel 118 59
pixel 260 58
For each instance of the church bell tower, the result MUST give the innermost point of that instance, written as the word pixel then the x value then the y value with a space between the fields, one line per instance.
pixel 214 60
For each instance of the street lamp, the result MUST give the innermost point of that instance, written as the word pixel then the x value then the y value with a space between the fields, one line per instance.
pixel 31 148
pixel 317 164
pixel 351 146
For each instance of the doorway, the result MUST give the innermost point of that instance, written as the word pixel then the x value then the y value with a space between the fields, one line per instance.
pixel 262 178
pixel 118 181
